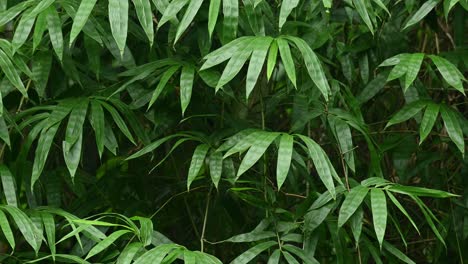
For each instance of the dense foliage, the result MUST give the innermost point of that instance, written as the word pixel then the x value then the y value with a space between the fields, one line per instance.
pixel 228 131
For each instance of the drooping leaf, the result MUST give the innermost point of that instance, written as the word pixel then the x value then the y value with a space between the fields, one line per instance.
pixel 49 226
pixel 9 186
pixel 11 73
pixel 251 253
pixel 428 121
pixel 24 224
pixel 362 10
pixel 407 112
pixel 285 151
pixel 145 16
pixel 187 76
pixel 286 7
pixel 198 159
pixel 118 19
pixel 449 72
pixel 54 25
pixel 271 61
pixel 106 242
pixel 81 17
pixel 6 230
pixel 189 15
pixel 230 20
pixel 22 31
pixel 162 83
pixel 213 15
pixel 422 12
pixel 453 127
pixel 97 122
pixel 216 167
pixel 287 59
pixel 259 53
pixel 352 201
pixel 379 213
pixel 258 148
pixel 42 151
pixel 129 253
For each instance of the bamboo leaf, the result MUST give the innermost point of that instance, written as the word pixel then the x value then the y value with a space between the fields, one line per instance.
pixel 145 16
pixel 213 12
pixel 379 213
pixel 118 19
pixel 188 17
pixel 428 121
pixel 106 242
pixel 225 52
pixel 22 31
pixel 97 122
pixel 449 72
pixel 271 61
pixel 24 224
pixel 407 112
pixel 216 167
pixel 402 209
pixel 9 14
pixel 162 83
pixel 356 224
pixel 453 127
pixel 155 255
pixel 129 253
pixel 9 186
pixel 235 64
pixel 171 11
pixel 286 7
pixel 230 21
pixel 285 151
pixel 413 65
pixel 422 12
pixel 186 84
pixel 289 258
pixel 362 10
pixel 10 72
pixel 49 226
pixel 4 133
pixel 258 148
pixel 274 257
pixel 352 201
pixel 251 253
pixel 397 253
pixel 42 151
pixel 81 17
pixel 118 121
pixel 196 164
pixel 54 25
pixel 259 53
pixel 287 60
pixel 6 229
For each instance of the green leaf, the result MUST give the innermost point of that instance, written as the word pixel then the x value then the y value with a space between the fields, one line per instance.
pixel 213 12
pixel 4 133
pixel 362 10
pixel 9 14
pixel 24 224
pixel 259 53
pixel 449 72
pixel 81 17
pixel 271 61
pixel 397 253
pixel 287 60
pixel 118 19
pixel 155 255
pixel 428 121
pixel 407 112
pixel 448 5
pixel 274 257
pixel 289 258
pixel 171 11
pixel 9 186
pixel 255 235
pixel 198 159
pixel 225 52
pixel 41 67
pixel 42 151
pixel 40 7
pixel 72 155
pixel 379 213
pixel 97 122
pixel 356 224
pixel 321 163
pixel 402 209
pixel 188 17
pixel 105 243
pixel 118 121
pixel 54 25
pixel 352 201
pixel 313 65
pixel 230 21
pixel 39 29
pixel 422 12
pixel 315 218
pixel 129 253
pixel 286 7
pixel 187 76
pixel 162 83
pixel 216 167
pixel 6 229
pixel 428 215
pixel 22 31
pixel 146 230
pixel 420 191
pixel 145 16
pixel 10 72
pixel 285 151
pixel 258 148
pixel 251 253
pixel 372 88
pixel 413 64
pixel 453 127
pixel 344 137
pixel 49 226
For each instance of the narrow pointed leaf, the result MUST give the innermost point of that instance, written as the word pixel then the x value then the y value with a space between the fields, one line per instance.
pixel 186 84
pixel 402 209
pixel 234 65
pixel 118 121
pixel 422 12
pixel 9 186
pixel 287 60
pixel 189 15
pixel 162 83
pixel 213 12
pixel 129 252
pixel 352 201
pixel 259 53
pixel 49 226
pixel 54 25
pixel 272 55
pixel 6 230
pixel 230 21
pixel 412 68
pixel 118 19
pixel 10 72
pixel 449 72
pixel 4 133
pixel 225 52
pixel 428 121
pixel 22 31
pixel 42 151
pixel 258 148
pixel 106 242
pixel 407 112
pixel 286 7
pixel 97 122
pixel 171 11
pixel 285 151
pixel 251 253
pixel 362 10
pixel 397 253
pixel 196 164
pixel 452 125
pixel 24 224
pixel 81 17
pixel 216 167
pixel 145 16
pixel 379 213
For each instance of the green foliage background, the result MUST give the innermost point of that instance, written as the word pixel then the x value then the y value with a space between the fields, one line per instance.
pixel 228 131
